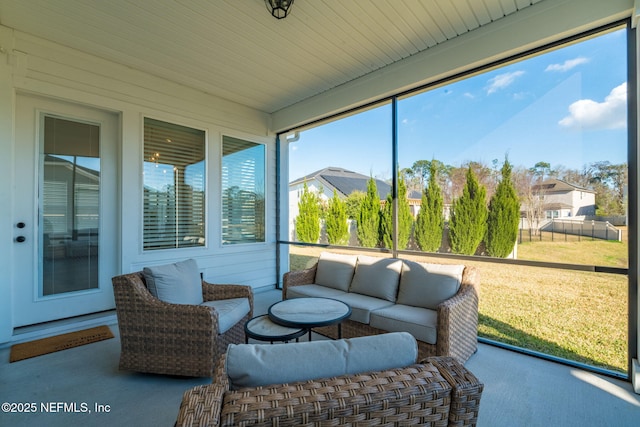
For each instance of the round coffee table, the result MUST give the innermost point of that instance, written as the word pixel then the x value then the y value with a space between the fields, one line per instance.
pixel 261 328
pixel 309 313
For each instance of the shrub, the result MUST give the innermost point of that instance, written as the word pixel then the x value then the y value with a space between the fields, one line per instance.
pixel 354 202
pixel 430 219
pixel 336 221
pixel 468 222
pixel 503 218
pixel 369 217
pixel 405 219
pixel 308 220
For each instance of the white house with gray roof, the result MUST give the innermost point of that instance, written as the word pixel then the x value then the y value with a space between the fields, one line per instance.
pixel 345 182
pixel 561 199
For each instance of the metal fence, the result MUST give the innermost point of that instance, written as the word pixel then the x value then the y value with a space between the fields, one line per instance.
pixel 570 230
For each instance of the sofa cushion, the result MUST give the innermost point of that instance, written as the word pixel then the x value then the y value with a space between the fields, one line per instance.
pixel 253 365
pixel 335 270
pixel 230 311
pixel 362 305
pixel 420 322
pixel 303 291
pixel 428 285
pixel 177 283
pixel 377 277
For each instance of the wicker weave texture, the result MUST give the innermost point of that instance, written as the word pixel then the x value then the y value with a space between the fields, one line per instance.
pixel 436 392
pixel 467 390
pixel 173 339
pixel 457 330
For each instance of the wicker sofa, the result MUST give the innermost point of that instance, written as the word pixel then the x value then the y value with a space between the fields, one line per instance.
pixel 437 391
pixel 388 294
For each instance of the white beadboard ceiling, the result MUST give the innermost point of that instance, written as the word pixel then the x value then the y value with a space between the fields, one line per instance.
pixel 236 50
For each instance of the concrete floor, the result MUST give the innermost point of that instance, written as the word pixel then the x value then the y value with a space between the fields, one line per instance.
pixel 519 390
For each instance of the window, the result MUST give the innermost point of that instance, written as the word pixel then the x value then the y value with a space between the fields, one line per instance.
pixel 348 157
pixel 555 123
pixel 243 188
pixel 174 186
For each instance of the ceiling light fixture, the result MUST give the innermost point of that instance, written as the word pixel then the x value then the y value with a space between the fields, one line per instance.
pixel 278 8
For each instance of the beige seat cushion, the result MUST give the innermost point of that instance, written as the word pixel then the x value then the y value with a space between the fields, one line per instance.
pixel 420 322
pixel 316 291
pixel 428 285
pixel 362 305
pixel 230 311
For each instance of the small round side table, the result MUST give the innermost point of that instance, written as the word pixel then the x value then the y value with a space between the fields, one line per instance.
pixel 261 328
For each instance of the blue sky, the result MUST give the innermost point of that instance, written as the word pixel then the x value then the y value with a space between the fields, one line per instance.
pixel 566 107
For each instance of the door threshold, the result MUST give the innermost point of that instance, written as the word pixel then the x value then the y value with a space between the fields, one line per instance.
pixel 57 327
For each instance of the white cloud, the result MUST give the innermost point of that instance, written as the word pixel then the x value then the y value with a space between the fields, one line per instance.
pixel 469 95
pixel 567 65
pixel 502 81
pixel 589 114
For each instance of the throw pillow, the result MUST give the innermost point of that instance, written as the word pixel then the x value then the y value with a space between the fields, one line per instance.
pixel 377 277
pixel 428 285
pixel 335 270
pixel 177 283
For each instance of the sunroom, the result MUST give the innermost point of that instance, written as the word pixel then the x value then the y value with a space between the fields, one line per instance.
pixel 221 106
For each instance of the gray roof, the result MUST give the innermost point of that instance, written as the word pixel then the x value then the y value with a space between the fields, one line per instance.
pixel 344 181
pixel 554 185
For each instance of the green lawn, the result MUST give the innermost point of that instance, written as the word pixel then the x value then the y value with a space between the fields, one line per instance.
pixel 581 316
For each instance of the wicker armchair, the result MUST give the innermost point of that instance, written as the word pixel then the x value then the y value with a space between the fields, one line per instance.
pixel 173 339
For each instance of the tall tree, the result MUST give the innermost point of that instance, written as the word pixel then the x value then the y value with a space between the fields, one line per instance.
pixel 542 170
pixel 405 219
pixel 609 181
pixel 336 221
pixel 369 217
pixel 503 217
pixel 308 220
pixel 468 222
pixel 430 220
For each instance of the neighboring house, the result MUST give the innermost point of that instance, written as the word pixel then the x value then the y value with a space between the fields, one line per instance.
pixel 324 181
pixel 560 199
pixel 345 182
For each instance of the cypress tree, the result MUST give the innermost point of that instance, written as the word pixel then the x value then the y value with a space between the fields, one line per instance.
pixel 504 215
pixel 369 218
pixel 405 219
pixel 468 223
pixel 308 220
pixel 336 221
pixel 430 220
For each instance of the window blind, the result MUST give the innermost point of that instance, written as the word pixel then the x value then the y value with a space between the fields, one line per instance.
pixel 174 186
pixel 243 191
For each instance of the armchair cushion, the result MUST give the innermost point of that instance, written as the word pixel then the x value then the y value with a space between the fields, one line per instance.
pixel 335 270
pixel 230 311
pixel 252 365
pixel 428 285
pixel 177 283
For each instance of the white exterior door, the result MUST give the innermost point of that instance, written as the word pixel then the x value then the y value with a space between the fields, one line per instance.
pixel 65 210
